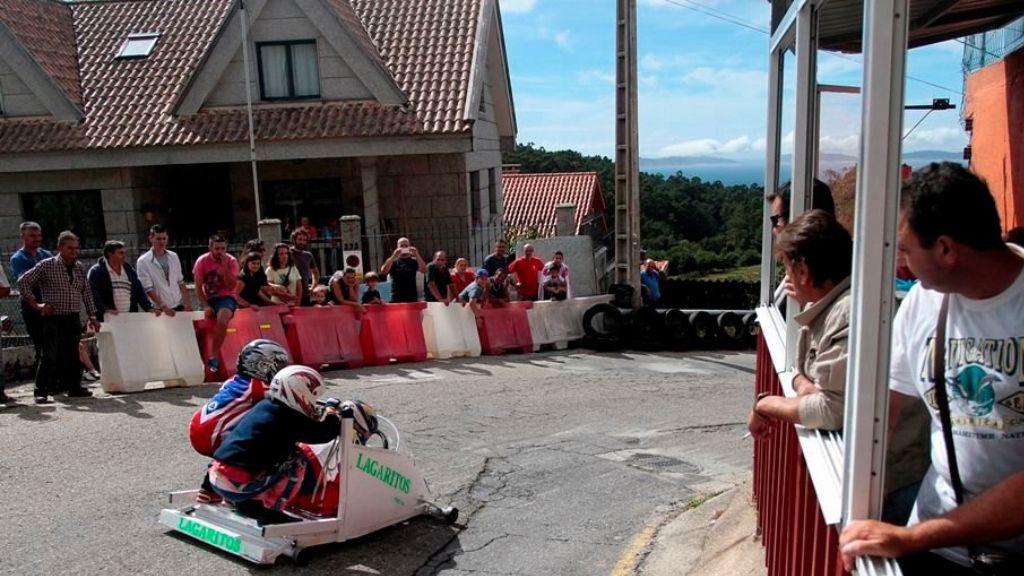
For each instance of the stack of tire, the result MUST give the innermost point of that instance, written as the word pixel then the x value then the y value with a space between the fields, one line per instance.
pixel 614 327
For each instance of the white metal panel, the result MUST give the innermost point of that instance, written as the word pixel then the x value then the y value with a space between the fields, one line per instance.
pixel 885 41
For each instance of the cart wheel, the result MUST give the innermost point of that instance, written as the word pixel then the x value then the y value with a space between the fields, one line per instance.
pixel 301 557
pixel 451 514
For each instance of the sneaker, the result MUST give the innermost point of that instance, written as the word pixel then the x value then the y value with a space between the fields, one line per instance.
pixel 214 364
pixel 88 377
pixel 43 400
pixel 208 497
pixel 79 392
pixel 95 374
pixel 4 398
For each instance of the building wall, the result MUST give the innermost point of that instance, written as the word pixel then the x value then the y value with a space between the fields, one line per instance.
pixel 283 20
pixel 17 98
pixel 995 102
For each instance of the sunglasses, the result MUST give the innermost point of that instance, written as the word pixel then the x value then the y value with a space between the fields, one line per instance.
pixel 775 219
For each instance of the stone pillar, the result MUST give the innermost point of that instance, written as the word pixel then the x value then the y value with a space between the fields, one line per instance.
pixel 565 220
pixel 269 232
pixel 352 242
pixel 371 213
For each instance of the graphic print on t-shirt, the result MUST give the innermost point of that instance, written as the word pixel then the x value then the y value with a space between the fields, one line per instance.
pixel 985 385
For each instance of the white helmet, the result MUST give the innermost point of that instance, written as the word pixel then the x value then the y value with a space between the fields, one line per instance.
pixel 299 388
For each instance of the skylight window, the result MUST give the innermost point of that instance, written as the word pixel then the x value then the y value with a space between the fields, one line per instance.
pixel 138 45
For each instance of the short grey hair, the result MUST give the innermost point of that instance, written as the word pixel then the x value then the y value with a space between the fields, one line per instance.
pixel 29 225
pixel 65 237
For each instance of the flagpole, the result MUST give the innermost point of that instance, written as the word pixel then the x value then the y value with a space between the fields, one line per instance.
pixel 248 107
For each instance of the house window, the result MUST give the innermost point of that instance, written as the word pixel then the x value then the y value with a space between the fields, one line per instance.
pixel 79 211
pixel 288 70
pixel 138 46
pixel 474 196
pixel 492 190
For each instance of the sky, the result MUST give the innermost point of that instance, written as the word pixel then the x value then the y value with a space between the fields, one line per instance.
pixel 703 81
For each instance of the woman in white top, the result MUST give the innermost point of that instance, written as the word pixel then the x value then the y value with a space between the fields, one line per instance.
pixel 282 271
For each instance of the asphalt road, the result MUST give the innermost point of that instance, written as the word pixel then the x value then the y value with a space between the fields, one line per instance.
pixel 556 461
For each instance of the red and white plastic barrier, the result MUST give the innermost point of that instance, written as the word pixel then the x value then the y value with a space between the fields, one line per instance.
pixel 450 331
pixel 140 349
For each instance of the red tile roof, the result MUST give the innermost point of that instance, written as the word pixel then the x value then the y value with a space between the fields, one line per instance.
pixel 45 29
pixel 530 199
pixel 426 44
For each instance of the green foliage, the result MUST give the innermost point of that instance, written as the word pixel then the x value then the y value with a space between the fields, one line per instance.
pixel 698 226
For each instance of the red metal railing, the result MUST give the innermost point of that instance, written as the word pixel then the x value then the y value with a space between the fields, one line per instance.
pixel 796 539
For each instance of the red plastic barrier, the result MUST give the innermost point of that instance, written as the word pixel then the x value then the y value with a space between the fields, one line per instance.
pixel 393 332
pixel 329 335
pixel 505 329
pixel 247 325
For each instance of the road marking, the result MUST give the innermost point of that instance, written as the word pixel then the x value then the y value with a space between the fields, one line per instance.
pixel 627 562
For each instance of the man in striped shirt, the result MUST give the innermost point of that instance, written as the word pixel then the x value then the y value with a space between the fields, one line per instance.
pixel 61 281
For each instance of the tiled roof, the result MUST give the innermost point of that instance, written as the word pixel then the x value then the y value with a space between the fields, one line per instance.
pixel 44 28
pixel 426 44
pixel 530 199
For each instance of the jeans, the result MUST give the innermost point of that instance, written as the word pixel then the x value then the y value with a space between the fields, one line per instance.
pixel 60 370
pixel 34 327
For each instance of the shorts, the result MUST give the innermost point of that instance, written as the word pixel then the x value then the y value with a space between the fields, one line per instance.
pixel 218 303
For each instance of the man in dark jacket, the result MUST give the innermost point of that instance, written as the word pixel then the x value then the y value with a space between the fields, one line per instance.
pixel 115 285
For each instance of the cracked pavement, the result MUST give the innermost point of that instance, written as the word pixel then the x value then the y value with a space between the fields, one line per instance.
pixel 555 460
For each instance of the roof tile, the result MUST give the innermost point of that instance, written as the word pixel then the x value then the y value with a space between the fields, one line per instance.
pixel 530 199
pixel 427 45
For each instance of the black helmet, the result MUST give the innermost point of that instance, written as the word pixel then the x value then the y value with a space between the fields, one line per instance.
pixel 262 359
pixel 364 418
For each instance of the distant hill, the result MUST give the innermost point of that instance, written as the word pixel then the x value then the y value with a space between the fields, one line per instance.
pixel 934 156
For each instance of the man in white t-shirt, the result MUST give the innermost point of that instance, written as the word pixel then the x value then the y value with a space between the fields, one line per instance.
pixel 949 233
pixel 160 274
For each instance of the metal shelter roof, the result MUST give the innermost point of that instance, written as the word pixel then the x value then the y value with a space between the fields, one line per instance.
pixel 840 22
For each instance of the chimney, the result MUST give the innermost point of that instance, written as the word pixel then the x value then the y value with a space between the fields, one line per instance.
pixel 565 220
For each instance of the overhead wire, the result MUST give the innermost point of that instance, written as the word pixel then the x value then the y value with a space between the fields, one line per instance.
pixel 736 21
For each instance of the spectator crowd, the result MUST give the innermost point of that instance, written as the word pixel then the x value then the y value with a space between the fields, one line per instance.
pixel 64 301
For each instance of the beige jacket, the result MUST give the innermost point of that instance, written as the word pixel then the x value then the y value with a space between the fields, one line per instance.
pixel 821 356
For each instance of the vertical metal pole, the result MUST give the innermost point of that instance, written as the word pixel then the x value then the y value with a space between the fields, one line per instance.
pixel 248 107
pixel 773 138
pixel 877 207
pixel 805 143
pixel 627 155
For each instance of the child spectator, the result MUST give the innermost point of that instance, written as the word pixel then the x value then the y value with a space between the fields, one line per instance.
pixel 497 294
pixel 372 295
pixel 462 276
pixel 476 293
pixel 555 279
pixel 252 289
pixel 319 295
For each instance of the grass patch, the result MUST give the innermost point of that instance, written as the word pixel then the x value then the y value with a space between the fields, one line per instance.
pixel 741 274
pixel 699 500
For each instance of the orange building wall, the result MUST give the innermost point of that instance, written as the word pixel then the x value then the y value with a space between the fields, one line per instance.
pixel 995 100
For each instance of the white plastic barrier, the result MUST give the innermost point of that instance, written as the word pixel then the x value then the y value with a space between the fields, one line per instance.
pixel 580 307
pixel 450 331
pixel 138 349
pixel 552 323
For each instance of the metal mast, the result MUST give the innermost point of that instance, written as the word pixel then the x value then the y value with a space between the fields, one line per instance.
pixel 627 157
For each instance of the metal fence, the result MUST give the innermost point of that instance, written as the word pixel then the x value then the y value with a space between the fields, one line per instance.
pixel 793 531
pixel 980 50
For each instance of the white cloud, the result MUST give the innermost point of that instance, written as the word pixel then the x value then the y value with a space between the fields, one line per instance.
pixel 944 138
pixel 728 78
pixel 651 62
pixel 841 144
pixel 712 147
pixel 520 6
pixel 563 39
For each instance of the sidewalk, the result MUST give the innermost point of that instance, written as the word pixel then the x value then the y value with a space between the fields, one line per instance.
pixel 716 538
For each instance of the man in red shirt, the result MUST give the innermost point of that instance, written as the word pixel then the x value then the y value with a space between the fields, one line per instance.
pixel 526 271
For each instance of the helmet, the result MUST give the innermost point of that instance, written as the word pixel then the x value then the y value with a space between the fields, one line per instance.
pixel 261 359
pixel 364 418
pixel 299 388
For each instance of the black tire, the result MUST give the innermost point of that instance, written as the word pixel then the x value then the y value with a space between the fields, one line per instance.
pixel 753 329
pixel 732 329
pixel 451 516
pixel 607 333
pixel 645 329
pixel 703 325
pixel 676 332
